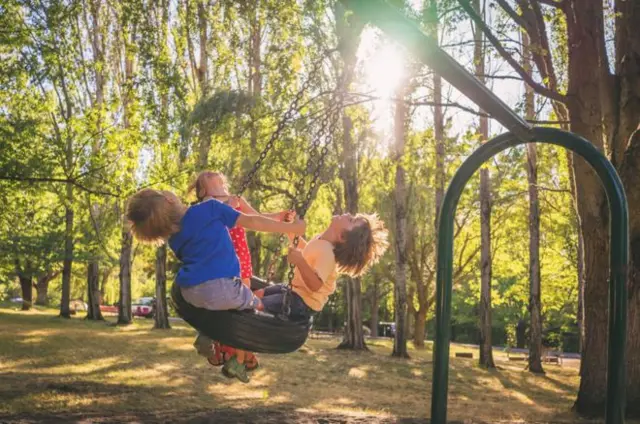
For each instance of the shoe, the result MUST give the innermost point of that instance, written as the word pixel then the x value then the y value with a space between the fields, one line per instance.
pixel 204 345
pixel 232 368
pixel 251 362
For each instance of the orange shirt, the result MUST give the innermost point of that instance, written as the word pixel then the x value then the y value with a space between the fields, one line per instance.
pixel 319 255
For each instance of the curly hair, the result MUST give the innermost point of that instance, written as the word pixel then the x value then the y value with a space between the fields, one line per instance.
pixel 154 215
pixel 362 246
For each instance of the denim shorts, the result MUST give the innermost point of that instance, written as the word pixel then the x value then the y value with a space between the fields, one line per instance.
pixel 274 297
pixel 221 294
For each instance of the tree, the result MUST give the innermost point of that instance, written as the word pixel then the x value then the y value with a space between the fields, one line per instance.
pixel 400 214
pixel 535 333
pixel 348 29
pixel 602 106
pixel 486 348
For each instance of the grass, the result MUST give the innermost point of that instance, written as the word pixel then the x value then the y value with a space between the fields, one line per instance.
pixel 52 366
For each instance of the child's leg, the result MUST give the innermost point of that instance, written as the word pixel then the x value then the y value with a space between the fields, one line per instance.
pixel 220 295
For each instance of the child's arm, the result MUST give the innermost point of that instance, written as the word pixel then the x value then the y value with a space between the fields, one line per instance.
pixel 308 274
pixel 267 225
pixel 249 210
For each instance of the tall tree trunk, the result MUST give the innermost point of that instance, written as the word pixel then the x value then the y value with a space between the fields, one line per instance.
pixel 535 332
pixel 124 303
pixel 254 239
pixel 348 31
pixel 203 82
pixel 98 48
pixel 93 292
pixel 400 212
pixel 585 27
pixel 579 251
pixel 627 142
pixel 124 276
pixel 161 312
pixel 486 349
pixel 65 312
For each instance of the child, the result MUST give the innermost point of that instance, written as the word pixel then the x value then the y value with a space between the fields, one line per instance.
pixel 198 235
pixel 208 185
pixel 348 246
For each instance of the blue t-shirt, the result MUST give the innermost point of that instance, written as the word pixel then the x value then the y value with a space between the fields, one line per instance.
pixel 203 244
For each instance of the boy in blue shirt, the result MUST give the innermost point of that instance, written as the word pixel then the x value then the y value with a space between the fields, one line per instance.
pixel 209 276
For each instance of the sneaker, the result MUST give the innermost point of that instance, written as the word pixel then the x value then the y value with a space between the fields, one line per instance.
pixel 204 345
pixel 232 368
pixel 251 362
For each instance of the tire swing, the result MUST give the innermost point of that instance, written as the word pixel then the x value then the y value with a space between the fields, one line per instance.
pixel 256 331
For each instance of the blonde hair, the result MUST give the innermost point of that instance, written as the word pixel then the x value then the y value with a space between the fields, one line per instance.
pixel 154 215
pixel 362 246
pixel 199 184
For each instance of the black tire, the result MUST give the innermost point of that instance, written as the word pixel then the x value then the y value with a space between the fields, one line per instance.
pixel 247 330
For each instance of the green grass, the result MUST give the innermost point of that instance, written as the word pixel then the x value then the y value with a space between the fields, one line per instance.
pixel 50 366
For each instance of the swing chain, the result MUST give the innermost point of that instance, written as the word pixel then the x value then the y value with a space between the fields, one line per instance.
pixel 287 117
pixel 327 131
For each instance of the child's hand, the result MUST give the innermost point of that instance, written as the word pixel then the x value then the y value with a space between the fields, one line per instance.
pixel 234 201
pixel 287 216
pixel 294 256
pixel 297 227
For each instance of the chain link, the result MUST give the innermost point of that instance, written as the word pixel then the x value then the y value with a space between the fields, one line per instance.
pixel 293 107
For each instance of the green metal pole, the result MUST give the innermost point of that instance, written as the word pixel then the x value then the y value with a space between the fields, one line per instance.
pixel 398 26
pixel 619 233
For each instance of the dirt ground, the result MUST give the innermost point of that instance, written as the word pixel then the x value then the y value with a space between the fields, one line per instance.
pixel 226 416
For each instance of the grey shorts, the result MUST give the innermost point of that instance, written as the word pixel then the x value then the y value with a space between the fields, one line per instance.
pixel 221 294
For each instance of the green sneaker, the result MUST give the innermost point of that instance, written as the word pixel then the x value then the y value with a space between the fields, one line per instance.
pixel 232 368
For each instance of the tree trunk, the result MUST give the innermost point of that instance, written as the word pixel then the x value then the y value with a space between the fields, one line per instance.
pixel 584 103
pixel 124 303
pixel 535 333
pixel 93 292
pixel 486 350
pixel 42 288
pixel 65 312
pixel 419 332
pixel 628 141
pixel 348 32
pixel 579 252
pixel 521 334
pixel 353 334
pixel 161 312
pixel 254 239
pixel 106 274
pixel 203 82
pixel 400 212
pixel 26 288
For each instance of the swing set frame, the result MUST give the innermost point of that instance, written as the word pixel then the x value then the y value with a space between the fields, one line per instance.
pixel 398 26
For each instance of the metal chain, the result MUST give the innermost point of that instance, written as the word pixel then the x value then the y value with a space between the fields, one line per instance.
pixel 293 107
pixel 326 132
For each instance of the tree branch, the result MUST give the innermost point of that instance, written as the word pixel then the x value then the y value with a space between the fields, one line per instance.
pixel 539 88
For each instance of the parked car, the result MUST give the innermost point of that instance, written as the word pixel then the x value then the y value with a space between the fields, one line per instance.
pixel 109 309
pixel 143 307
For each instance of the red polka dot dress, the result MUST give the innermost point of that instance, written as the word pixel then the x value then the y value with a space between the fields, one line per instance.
pixel 239 239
